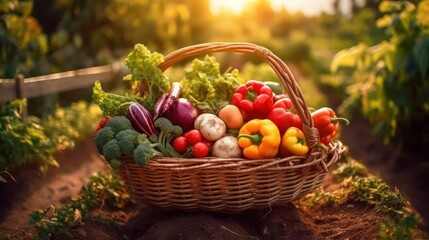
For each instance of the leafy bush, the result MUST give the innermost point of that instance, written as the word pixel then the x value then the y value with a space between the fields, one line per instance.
pixel 389 81
pixel 31 138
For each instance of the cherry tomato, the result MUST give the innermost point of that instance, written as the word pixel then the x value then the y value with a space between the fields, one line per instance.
pixel 200 150
pixel 193 137
pixel 180 144
pixel 207 142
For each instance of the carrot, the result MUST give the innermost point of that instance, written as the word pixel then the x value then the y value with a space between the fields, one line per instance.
pixel 231 116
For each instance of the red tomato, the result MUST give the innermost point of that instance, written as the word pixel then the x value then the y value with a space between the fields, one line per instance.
pixel 193 137
pixel 180 144
pixel 200 150
pixel 207 142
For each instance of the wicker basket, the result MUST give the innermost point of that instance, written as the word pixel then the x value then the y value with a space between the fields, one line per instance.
pixel 233 184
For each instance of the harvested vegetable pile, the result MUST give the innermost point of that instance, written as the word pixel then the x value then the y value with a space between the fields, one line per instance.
pixel 194 117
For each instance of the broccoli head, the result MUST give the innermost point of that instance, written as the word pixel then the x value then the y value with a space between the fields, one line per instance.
pixel 166 126
pixel 127 140
pixel 115 163
pixel 167 132
pixel 144 152
pixel 119 123
pixel 103 136
pixel 111 150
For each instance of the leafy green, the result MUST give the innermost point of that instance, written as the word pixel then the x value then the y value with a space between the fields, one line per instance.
pixel 103 189
pixel 205 87
pixel 143 66
pixel 110 103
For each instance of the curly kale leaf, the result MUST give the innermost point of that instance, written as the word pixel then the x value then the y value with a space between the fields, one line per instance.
pixel 110 103
pixel 206 87
pixel 143 66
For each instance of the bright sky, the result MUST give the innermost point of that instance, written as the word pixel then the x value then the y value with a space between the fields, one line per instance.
pixel 308 7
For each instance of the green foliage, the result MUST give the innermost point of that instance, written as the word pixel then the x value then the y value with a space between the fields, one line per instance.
pixel 374 191
pixel 321 198
pixel 69 124
pixel 389 81
pixel 350 168
pixel 110 103
pixel 21 38
pixel 23 139
pixel 29 139
pixel 204 85
pixel 400 228
pixel 145 76
pixel 103 190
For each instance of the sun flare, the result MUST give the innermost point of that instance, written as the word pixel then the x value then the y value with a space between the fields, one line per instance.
pixel 234 6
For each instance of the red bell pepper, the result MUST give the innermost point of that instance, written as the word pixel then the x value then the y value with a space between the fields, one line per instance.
pixel 254 99
pixel 327 139
pixel 283 116
pixel 326 122
pixel 103 122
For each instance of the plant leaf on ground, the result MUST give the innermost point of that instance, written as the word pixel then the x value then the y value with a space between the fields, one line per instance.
pixel 103 190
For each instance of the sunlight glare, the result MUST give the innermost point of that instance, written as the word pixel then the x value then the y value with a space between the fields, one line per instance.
pixel 233 6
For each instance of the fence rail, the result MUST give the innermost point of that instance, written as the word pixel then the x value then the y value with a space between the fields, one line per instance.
pixel 21 87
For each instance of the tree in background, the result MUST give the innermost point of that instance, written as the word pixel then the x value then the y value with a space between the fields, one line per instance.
pixel 86 33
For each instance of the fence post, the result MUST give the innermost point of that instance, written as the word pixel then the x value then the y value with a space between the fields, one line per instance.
pixel 19 83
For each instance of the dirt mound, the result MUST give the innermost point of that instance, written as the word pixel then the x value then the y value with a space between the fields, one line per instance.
pixel 351 220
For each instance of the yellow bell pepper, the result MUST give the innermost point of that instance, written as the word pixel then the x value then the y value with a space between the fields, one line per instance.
pixel 259 138
pixel 293 143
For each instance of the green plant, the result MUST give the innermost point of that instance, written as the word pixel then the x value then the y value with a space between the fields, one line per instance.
pixel 375 192
pixel 103 190
pixel 401 227
pixel 23 139
pixel 34 139
pixel 350 168
pixel 69 124
pixel 389 81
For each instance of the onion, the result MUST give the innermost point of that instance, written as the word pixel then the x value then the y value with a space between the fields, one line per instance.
pixel 182 113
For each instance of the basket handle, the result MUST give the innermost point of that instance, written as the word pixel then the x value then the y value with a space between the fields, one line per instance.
pixel 280 68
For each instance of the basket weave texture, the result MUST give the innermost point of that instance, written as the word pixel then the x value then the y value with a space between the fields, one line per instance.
pixel 233 184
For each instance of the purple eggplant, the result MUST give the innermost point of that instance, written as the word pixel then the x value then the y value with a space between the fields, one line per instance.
pixel 167 100
pixel 141 119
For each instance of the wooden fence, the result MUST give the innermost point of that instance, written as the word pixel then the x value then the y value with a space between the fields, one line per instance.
pixel 21 87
